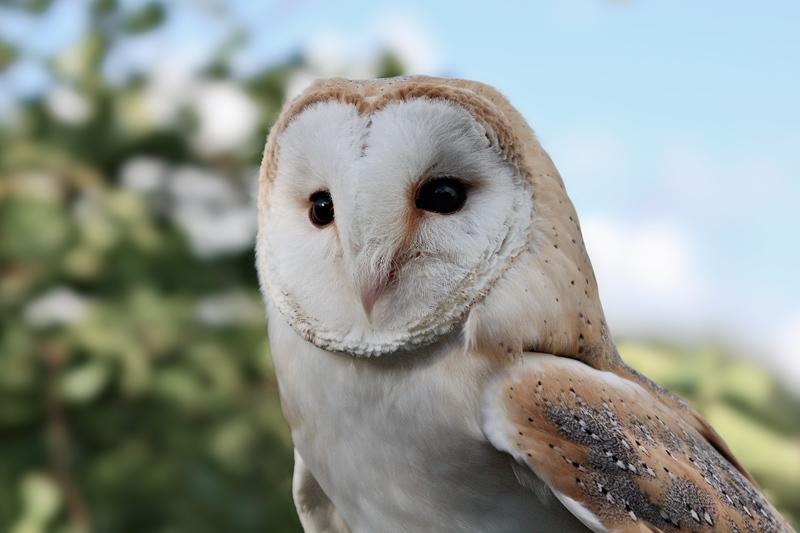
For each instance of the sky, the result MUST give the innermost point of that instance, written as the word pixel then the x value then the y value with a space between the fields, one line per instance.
pixel 675 125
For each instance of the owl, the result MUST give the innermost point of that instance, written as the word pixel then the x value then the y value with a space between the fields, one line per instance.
pixel 443 360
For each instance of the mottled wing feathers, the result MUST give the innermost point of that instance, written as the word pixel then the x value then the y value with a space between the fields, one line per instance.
pixel 689 414
pixel 618 455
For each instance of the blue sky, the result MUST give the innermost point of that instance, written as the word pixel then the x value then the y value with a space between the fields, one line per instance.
pixel 676 127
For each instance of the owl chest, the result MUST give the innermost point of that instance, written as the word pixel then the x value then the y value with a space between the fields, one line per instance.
pixel 357 427
pixel 401 449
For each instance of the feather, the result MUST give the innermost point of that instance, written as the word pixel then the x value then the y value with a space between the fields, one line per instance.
pixel 623 455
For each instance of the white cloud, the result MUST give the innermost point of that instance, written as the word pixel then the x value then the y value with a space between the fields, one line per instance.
pixel 647 274
pixel 653 283
pixel 331 53
pixel 786 346
pixel 413 43
pixel 299 82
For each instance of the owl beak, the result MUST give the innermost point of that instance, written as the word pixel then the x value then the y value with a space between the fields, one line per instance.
pixel 375 285
pixel 370 293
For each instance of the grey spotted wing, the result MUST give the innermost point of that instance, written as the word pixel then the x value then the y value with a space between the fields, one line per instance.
pixel 618 455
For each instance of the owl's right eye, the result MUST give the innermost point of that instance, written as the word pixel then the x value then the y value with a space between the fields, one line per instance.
pixel 321 212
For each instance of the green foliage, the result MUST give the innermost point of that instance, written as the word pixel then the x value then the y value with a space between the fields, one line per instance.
pixel 123 406
pixel 390 66
pixel 34 6
pixel 8 54
pixel 145 19
pixel 166 422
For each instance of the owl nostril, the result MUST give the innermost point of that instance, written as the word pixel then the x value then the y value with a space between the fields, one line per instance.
pixel 321 212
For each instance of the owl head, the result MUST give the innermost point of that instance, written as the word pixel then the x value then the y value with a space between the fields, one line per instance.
pixel 394 212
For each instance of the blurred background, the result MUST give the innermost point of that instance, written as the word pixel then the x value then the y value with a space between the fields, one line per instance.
pixel 136 389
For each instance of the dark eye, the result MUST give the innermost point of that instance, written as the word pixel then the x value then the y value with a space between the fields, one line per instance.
pixel 321 212
pixel 442 195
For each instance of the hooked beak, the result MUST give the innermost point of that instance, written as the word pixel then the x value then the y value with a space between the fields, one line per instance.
pixel 370 293
pixel 375 285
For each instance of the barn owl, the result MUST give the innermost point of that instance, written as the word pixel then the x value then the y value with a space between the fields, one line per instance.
pixel 443 360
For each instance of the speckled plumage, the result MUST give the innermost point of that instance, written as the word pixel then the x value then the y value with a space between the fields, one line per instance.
pixel 485 393
pixel 618 449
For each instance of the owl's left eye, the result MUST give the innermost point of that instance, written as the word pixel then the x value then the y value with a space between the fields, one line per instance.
pixel 321 212
pixel 442 195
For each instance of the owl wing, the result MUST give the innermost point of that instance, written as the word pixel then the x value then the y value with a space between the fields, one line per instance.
pixel 619 452
pixel 316 511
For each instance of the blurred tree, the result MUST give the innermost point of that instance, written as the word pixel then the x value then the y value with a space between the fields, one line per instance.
pixel 34 6
pixel 144 19
pixel 136 390
pixel 8 54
